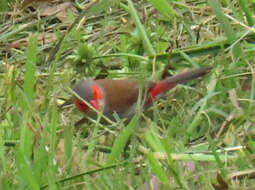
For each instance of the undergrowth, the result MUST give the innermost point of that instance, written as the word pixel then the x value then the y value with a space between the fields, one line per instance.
pixel 199 136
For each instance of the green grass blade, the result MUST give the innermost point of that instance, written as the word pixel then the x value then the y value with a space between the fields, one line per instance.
pixel 244 4
pixel 151 137
pixel 27 101
pixel 217 158
pixel 121 140
pixel 53 138
pixel 196 157
pixel 4 37
pixel 29 81
pixel 52 172
pixel 164 8
pixel 156 168
pixel 189 59
pixel 211 88
pixel 101 6
pixel 91 147
pixel 87 173
pixel 252 95
pixel 225 24
pixel 172 165
pixel 2 150
pixel 146 42
pixel 25 171
pixel 3 5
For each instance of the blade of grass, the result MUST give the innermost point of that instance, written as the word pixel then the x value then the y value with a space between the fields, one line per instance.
pixel 52 172
pixel 164 8
pixel 87 173
pixel 53 137
pixel 198 117
pixel 4 37
pixel 190 32
pixel 93 142
pixel 195 156
pixel 158 145
pixel 146 42
pixel 28 96
pixel 121 140
pixel 156 168
pixel 100 7
pixel 209 48
pixel 217 158
pixel 151 137
pixel 244 4
pixel 3 5
pixel 225 24
pixel 25 171
pixel 68 135
pixel 139 57
pixel 172 165
pixel 27 103
pixel 55 50
pixel 2 150
pixel 29 80
pixel 189 59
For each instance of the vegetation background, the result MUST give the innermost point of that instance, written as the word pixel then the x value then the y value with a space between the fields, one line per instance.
pixel 201 136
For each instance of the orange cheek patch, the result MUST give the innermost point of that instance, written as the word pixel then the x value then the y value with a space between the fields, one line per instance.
pixel 97 94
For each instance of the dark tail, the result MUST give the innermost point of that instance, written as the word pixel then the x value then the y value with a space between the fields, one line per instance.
pixel 185 76
pixel 170 82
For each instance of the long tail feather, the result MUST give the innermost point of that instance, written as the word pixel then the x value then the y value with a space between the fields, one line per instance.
pixel 189 75
pixel 170 82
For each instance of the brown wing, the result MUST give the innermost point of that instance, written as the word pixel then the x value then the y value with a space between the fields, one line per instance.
pixel 120 95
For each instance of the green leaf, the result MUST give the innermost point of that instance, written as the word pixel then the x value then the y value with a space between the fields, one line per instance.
pixel 248 14
pixel 146 42
pixel 217 157
pixel 225 24
pixel 156 168
pixel 3 5
pixel 152 138
pixel 29 81
pixel 121 140
pixel 101 6
pixel 164 8
pixel 25 171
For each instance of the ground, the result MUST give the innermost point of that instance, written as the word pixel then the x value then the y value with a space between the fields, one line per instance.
pixel 199 136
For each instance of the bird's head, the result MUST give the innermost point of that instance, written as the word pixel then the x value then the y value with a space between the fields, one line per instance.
pixel 88 91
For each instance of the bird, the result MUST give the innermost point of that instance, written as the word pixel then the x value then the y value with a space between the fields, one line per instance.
pixel 121 95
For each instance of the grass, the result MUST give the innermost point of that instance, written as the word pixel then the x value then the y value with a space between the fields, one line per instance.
pixel 200 136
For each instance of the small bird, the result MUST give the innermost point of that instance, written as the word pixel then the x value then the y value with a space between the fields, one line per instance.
pixel 120 96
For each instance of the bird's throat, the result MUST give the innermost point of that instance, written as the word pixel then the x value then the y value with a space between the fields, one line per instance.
pixel 81 105
pixel 97 97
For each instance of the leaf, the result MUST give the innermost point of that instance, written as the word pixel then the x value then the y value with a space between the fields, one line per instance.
pixel 156 168
pixel 121 140
pixel 164 8
pixel 146 42
pixel 25 171
pixel 225 24
pixel 3 5
pixel 29 81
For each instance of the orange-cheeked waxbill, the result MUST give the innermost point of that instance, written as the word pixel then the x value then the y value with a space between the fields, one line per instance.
pixel 120 96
